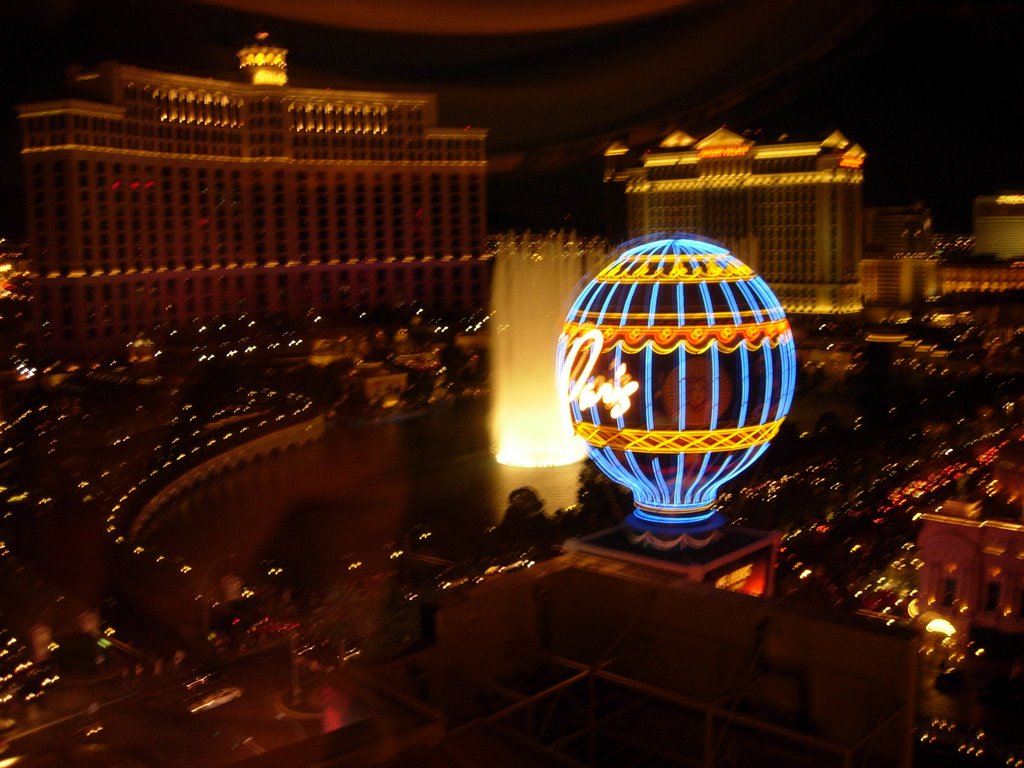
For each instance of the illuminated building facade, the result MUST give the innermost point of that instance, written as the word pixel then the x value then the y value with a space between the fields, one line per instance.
pixel 898 281
pixel 999 226
pixel 155 199
pixel 973 572
pixel 985 277
pixel 790 210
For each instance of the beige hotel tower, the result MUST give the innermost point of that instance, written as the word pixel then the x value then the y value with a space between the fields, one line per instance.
pixel 158 199
pixel 791 210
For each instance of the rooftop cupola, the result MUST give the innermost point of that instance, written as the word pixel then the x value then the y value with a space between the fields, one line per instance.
pixel 264 61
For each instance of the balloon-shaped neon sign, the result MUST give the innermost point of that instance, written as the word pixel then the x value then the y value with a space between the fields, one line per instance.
pixel 677 367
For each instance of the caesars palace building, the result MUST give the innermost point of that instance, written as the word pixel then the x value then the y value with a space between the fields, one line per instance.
pixel 790 210
pixel 156 199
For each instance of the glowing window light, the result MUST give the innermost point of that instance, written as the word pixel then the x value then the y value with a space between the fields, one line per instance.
pixel 940 627
pixel 712 369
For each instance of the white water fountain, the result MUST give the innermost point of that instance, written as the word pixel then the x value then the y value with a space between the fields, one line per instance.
pixel 533 278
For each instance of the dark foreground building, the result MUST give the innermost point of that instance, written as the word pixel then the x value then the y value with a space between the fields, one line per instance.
pixel 583 660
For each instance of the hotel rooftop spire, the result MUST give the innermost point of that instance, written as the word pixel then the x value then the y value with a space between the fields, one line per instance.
pixel 264 61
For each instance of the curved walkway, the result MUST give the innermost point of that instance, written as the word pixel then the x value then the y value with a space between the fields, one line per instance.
pixel 265 445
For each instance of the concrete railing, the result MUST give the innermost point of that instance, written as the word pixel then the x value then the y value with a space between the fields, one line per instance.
pixel 279 440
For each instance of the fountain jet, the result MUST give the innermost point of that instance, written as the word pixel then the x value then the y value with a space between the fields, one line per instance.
pixel 533 277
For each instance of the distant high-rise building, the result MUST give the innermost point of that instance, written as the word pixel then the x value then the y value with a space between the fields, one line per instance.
pixel 898 267
pixel 898 281
pixel 999 226
pixel 158 199
pixel 991 260
pixel 903 230
pixel 790 210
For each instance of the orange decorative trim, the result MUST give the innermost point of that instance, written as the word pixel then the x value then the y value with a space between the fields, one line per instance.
pixel 672 441
pixel 697 339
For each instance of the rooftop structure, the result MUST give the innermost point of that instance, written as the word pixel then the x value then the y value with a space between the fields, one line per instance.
pixel 583 659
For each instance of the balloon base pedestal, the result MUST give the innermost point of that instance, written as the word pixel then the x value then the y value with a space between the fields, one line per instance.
pixel 684 534
pixel 732 557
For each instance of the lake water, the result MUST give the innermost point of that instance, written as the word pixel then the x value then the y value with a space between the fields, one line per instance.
pixel 353 496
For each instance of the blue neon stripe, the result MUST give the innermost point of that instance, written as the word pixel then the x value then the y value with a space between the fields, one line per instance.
pixel 697 486
pixel 713 352
pixel 771 302
pixel 769 380
pixel 607 302
pixel 677 491
pixel 727 292
pixel 749 456
pixel 744 382
pixel 709 308
pixel 751 301
pixel 638 473
pixel 585 314
pixel 652 306
pixel 606 461
pixel 791 363
pixel 660 479
pixel 619 420
pixel 681 386
pixel 627 305
pixel 725 468
pixel 788 355
pixel 649 387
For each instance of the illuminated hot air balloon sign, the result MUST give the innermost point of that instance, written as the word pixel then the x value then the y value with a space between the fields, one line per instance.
pixel 677 367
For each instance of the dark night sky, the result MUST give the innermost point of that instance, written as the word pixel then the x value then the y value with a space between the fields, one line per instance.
pixel 928 87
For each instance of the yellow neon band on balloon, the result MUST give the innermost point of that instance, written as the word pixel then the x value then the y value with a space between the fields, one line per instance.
pixel 651 268
pixel 697 339
pixel 701 318
pixel 673 441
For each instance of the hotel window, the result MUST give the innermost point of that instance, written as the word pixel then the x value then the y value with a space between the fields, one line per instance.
pixel 948 592
pixel 992 597
pixel 360 202
pixel 378 215
pixel 397 210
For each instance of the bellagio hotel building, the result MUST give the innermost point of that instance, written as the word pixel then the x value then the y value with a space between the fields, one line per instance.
pixel 790 210
pixel 157 199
